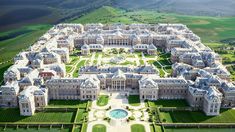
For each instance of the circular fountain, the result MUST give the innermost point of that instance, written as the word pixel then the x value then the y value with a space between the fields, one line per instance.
pixel 118 116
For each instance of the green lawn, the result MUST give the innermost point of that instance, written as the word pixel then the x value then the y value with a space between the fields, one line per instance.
pixel 80 64
pixel 99 128
pixel 155 128
pixel 168 103
pixel 77 128
pixel 67 103
pixel 3 68
pixel 13 115
pixel 199 129
pixel 137 128
pixel 102 100
pixel 134 100
pixel 95 62
pixel 226 116
pixel 35 129
pixel 141 62
pixel 84 127
pixel 149 56
pixel 168 69
pixel 68 68
pixel 73 59
pixel 161 73
pixel 80 115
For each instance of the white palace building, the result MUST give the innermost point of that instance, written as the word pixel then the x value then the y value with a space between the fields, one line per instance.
pixel 38 74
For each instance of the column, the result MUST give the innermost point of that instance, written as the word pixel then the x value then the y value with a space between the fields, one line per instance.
pixel 124 85
pixel 116 85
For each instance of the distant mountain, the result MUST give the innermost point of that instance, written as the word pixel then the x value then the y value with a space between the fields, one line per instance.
pixel 189 7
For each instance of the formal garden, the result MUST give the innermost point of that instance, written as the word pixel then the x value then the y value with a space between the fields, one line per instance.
pixel 121 57
pixel 59 115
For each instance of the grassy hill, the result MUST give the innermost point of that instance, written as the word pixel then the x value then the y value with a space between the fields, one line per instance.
pixel 18 13
pixel 189 7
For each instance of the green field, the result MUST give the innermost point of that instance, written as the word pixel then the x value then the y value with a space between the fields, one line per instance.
pixel 16 43
pixel 67 103
pixel 99 128
pixel 102 100
pixel 168 103
pixel 80 115
pixel 32 129
pixel 137 128
pixel 199 129
pixel 226 116
pixel 13 115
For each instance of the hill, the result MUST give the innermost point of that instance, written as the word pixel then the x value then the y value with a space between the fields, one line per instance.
pixel 189 7
pixel 18 13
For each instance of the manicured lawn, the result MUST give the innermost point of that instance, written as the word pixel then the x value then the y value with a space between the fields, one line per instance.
pixel 67 103
pixel 80 115
pixel 13 115
pixel 168 103
pixel 102 100
pixel 73 59
pixel 199 129
pixel 155 128
pixel 161 72
pixel 84 127
pixel 141 62
pixel 137 128
pixel 149 56
pixel 127 63
pixel 95 62
pixel 35 129
pixel 80 64
pixel 168 69
pixel 68 68
pixel 226 116
pixel 99 128
pixel 134 100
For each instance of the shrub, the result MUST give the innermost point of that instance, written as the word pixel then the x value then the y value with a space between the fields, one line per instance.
pixel 131 118
pixel 163 120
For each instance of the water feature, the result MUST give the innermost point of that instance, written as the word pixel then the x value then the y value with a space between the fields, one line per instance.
pixel 118 113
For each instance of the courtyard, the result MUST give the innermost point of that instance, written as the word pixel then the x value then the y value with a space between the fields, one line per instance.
pixel 121 57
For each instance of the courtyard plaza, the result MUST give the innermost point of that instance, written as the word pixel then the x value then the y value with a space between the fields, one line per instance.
pixel 118 100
